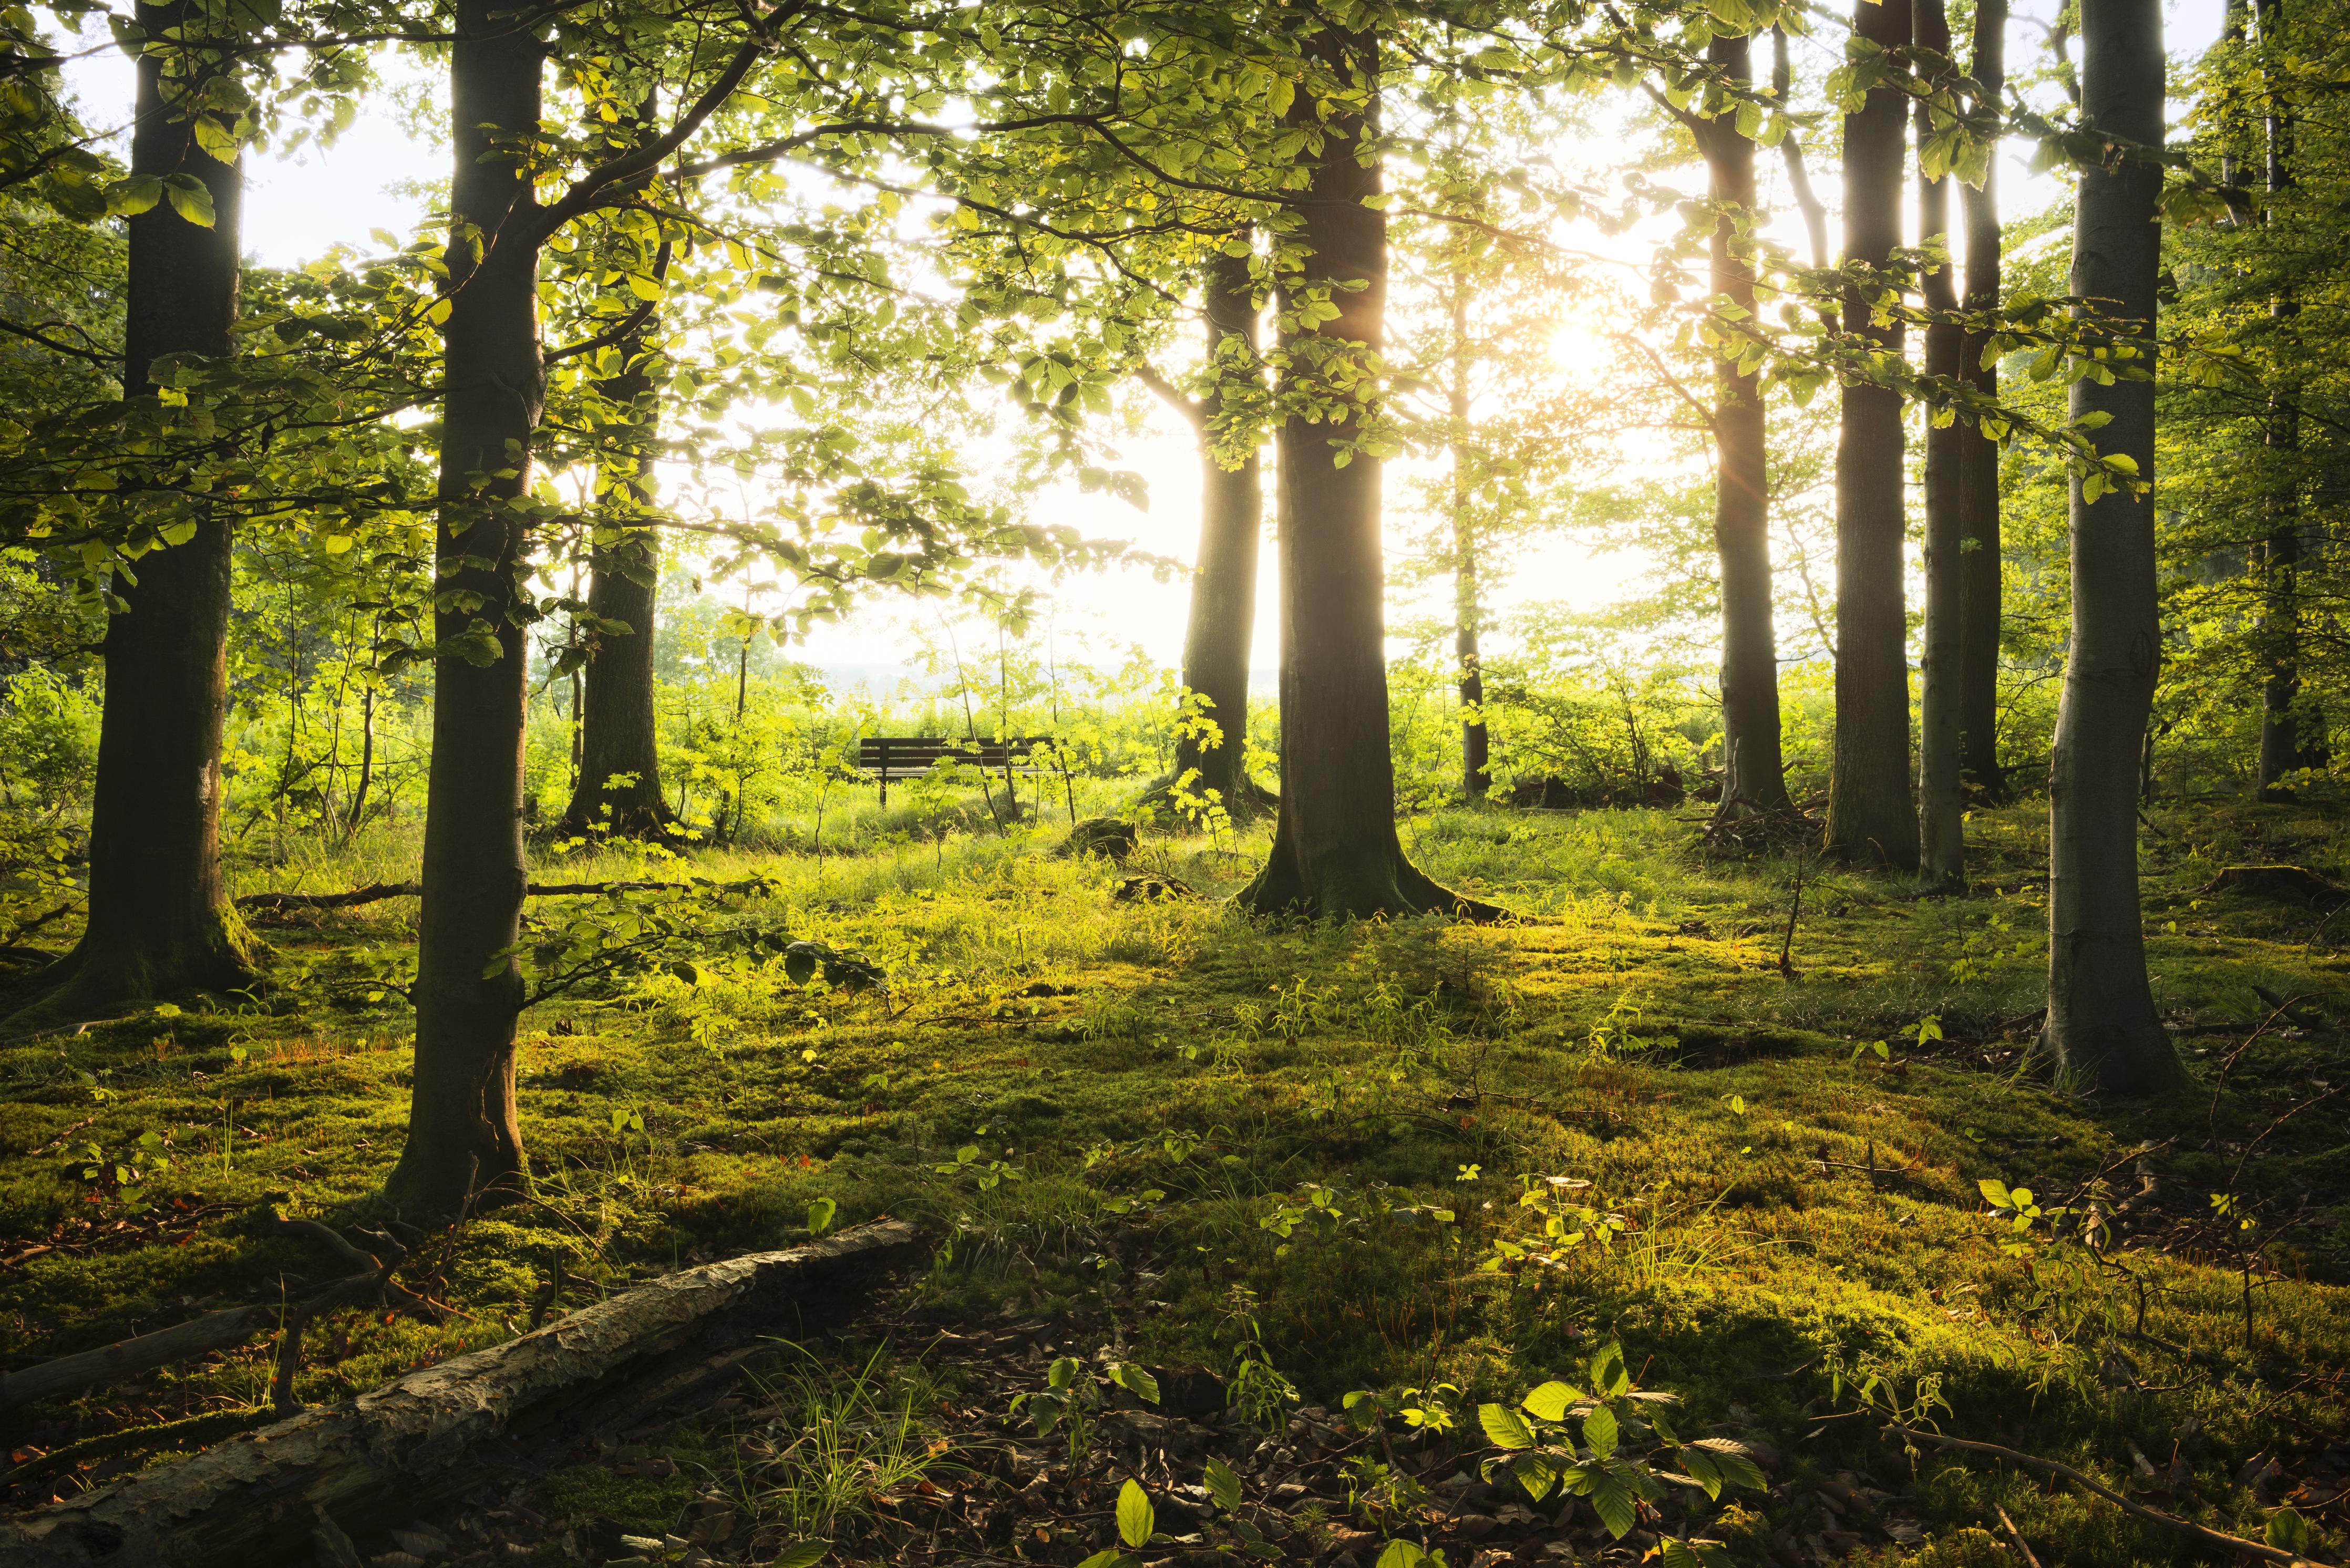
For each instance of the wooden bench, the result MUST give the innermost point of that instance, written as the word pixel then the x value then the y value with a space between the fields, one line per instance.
pixel 888 757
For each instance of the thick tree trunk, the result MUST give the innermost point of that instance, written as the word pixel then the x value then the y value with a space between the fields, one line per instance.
pixel 619 790
pixel 1755 776
pixel 1220 634
pixel 464 1142
pixel 2282 748
pixel 1335 850
pixel 159 920
pixel 1980 584
pixel 1871 816
pixel 2101 1024
pixel 1941 798
pixel 1468 613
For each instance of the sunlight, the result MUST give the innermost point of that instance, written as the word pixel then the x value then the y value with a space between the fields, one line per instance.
pixel 1580 349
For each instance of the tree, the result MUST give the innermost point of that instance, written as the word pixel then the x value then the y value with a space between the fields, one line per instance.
pixel 619 790
pixel 1335 850
pixel 1978 484
pixel 1869 813
pixel 2284 748
pixel 463 1137
pixel 159 920
pixel 1220 628
pixel 2102 1025
pixel 1941 795
pixel 1754 775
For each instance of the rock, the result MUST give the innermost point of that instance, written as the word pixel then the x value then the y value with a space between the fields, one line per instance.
pixel 1112 837
pixel 2293 884
pixel 1148 888
pixel 1189 1391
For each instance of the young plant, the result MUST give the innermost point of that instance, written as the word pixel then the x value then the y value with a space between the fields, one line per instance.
pixel 1624 1433
pixel 1138 1526
pixel 1072 1396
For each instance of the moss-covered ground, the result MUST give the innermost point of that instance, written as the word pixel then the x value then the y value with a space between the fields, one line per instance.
pixel 1330 1151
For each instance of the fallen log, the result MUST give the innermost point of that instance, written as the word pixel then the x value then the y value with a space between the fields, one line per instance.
pixel 376 892
pixel 260 1496
pixel 215 1331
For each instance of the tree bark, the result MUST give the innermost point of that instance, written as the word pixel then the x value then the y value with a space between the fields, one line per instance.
pixel 159 920
pixel 2282 748
pixel 465 1143
pixel 1222 631
pixel 1980 584
pixel 1335 850
pixel 1467 612
pixel 2102 1025
pixel 1754 776
pixel 1871 816
pixel 1941 799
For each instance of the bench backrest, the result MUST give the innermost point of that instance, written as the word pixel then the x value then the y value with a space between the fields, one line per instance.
pixel 903 755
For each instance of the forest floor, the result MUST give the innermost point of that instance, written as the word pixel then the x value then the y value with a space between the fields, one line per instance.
pixel 1428 1163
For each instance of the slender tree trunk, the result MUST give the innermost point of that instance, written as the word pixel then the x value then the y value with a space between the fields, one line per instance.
pixel 1980 584
pixel 2282 750
pixel 1942 797
pixel 619 789
pixel 1335 850
pixel 159 919
pixel 1871 816
pixel 1468 613
pixel 1755 778
pixel 464 1142
pixel 2101 1024
pixel 1218 639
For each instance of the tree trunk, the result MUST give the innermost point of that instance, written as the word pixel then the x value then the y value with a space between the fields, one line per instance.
pixel 1468 613
pixel 1871 816
pixel 464 1142
pixel 1335 850
pixel 2282 750
pixel 1980 584
pixel 1218 639
pixel 159 920
pixel 1754 776
pixel 2100 1019
pixel 1942 797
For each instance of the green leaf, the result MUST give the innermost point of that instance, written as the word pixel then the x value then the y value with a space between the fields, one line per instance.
pixel 1737 1466
pixel 1135 1518
pixel 1550 1401
pixel 820 1212
pixel 1607 1373
pixel 190 198
pixel 1108 1557
pixel 1401 1555
pixel 1136 1381
pixel 1995 1192
pixel 2288 1531
pixel 1222 1485
pixel 1613 1502
pixel 803 1554
pixel 1600 1434
pixel 1503 1427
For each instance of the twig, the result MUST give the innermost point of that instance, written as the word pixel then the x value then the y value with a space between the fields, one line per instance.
pixel 2016 1537
pixel 2201 1533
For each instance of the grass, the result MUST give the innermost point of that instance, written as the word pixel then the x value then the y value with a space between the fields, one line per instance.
pixel 1311 1142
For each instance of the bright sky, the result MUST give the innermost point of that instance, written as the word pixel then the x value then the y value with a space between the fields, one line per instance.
pixel 296 208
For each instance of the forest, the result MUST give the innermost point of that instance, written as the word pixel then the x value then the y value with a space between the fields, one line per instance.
pixel 1137 784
